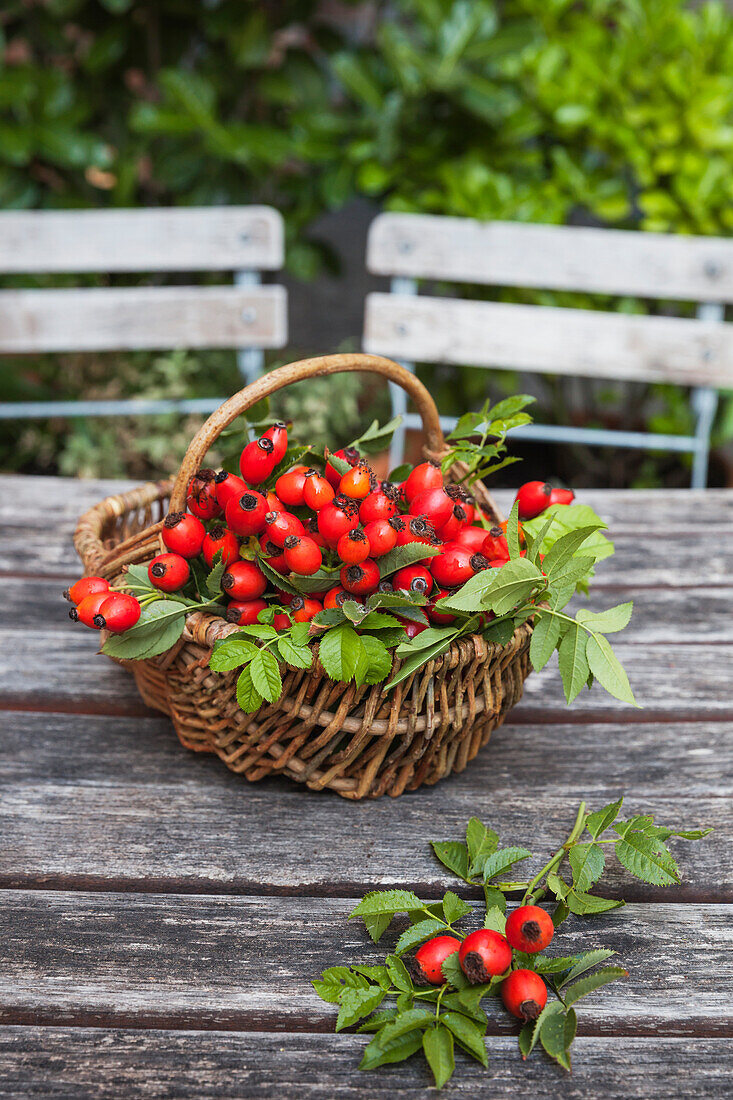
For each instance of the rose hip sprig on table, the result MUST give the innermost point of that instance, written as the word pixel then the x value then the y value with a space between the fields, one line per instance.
pixel 432 1001
pixel 379 569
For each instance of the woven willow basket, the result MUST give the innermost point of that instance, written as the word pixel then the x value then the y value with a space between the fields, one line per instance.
pixel 358 741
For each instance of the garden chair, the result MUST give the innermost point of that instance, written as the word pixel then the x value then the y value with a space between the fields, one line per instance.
pixel 689 352
pixel 246 240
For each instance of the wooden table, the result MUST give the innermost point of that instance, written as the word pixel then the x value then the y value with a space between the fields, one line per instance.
pixel 161 919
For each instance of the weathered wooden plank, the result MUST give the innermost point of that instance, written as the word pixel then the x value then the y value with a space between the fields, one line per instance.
pixel 585 343
pixel 104 1064
pixel 247 962
pixel 115 319
pixel 463 250
pixel 672 616
pixel 683 682
pixel 217 238
pixel 155 816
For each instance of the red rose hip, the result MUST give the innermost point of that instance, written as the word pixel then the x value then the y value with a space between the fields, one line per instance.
pixel 533 497
pixel 524 994
pixel 529 929
pixel 428 960
pixel 484 954
pixel 169 572
pixel 243 580
pixel 183 534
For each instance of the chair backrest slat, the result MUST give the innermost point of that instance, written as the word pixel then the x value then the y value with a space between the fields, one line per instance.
pixel 137 318
pixel 219 238
pixel 542 338
pixel 607 261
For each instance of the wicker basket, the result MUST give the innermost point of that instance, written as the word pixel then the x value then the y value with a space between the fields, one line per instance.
pixel 358 741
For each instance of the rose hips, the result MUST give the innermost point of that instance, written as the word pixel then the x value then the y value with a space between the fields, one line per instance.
pixel 88 608
pixel 201 495
pixel 244 612
pixel 524 993
pixel 434 504
pixel 428 961
pixel 413 578
pixel 533 497
pixel 303 609
pixel 440 618
pixel 412 629
pixel 360 579
pixel 358 483
pixel 118 613
pixel 229 486
pixel 382 537
pixel 529 929
pixel 335 597
pixel 183 534
pixel 348 454
pixel 353 547
pixel 257 460
pixel 290 485
pixel 274 504
pixel 425 476
pixel 318 492
pixel 455 564
pixel 280 525
pixel 415 529
pixel 472 537
pixel 273 554
pixel 278 433
pixel 219 540
pixel 484 954
pixel 243 580
pixel 562 496
pixel 302 555
pixel 246 515
pixel 87 586
pixel 377 505
pixel 495 545
pixel 338 517
pixel 453 524
pixel 169 572
pixel 281 621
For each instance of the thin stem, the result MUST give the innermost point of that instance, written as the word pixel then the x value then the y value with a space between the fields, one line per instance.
pixel 559 855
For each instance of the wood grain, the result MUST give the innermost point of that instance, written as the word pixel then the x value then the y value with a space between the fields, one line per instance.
pixel 156 817
pixel 463 250
pixel 106 1063
pixel 218 238
pixel 116 319
pixel 576 342
pixel 246 962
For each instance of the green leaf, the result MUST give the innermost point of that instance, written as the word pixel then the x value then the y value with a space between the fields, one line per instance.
pixel 547 632
pixel 607 669
pixel 453 855
pixel 552 1033
pixel 378 658
pixel 399 974
pixel 438 1047
pixel 470 1037
pixel 495 919
pixel 295 655
pixel 454 907
pixel 357 1003
pixel 552 1008
pixel 564 549
pixel 231 652
pixel 378 974
pixel 512 531
pixel 586 961
pixel 417 934
pixel 335 980
pixel 377 438
pixel 500 631
pixel 340 651
pixel 584 905
pixel 376 924
pixel 557 885
pixel 587 862
pixel 401 556
pixel 607 622
pixel 494 898
pixel 545 965
pixel 427 639
pixel 573 661
pixel 597 823
pixel 481 842
pixel 213 580
pixel 260 630
pixel 568 518
pixel 386 901
pixel 500 862
pixel 266 675
pixel 525 1039
pixel 277 580
pixel 405 1022
pixel 248 697
pixel 512 584
pixel 592 982
pixel 451 970
pixel 378 1019
pixel 647 859
pixel 380 1054
pixel 417 660
pixel 561 913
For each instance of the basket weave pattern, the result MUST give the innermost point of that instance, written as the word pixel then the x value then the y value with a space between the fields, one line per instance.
pixel 358 741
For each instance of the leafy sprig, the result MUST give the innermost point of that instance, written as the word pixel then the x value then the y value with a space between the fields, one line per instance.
pixel 405 1017
pixel 479 438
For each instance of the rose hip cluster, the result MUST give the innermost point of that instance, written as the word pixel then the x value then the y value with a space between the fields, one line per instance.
pixel 345 521
pixel 486 954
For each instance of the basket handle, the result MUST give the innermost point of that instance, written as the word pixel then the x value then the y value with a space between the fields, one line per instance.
pixel 276 380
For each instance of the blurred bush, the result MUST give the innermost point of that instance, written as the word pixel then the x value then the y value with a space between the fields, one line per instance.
pixel 618 112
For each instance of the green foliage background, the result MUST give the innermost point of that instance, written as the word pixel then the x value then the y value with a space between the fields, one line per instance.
pixel 615 111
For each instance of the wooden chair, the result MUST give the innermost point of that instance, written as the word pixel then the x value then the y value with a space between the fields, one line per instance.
pixel 689 352
pixel 246 240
